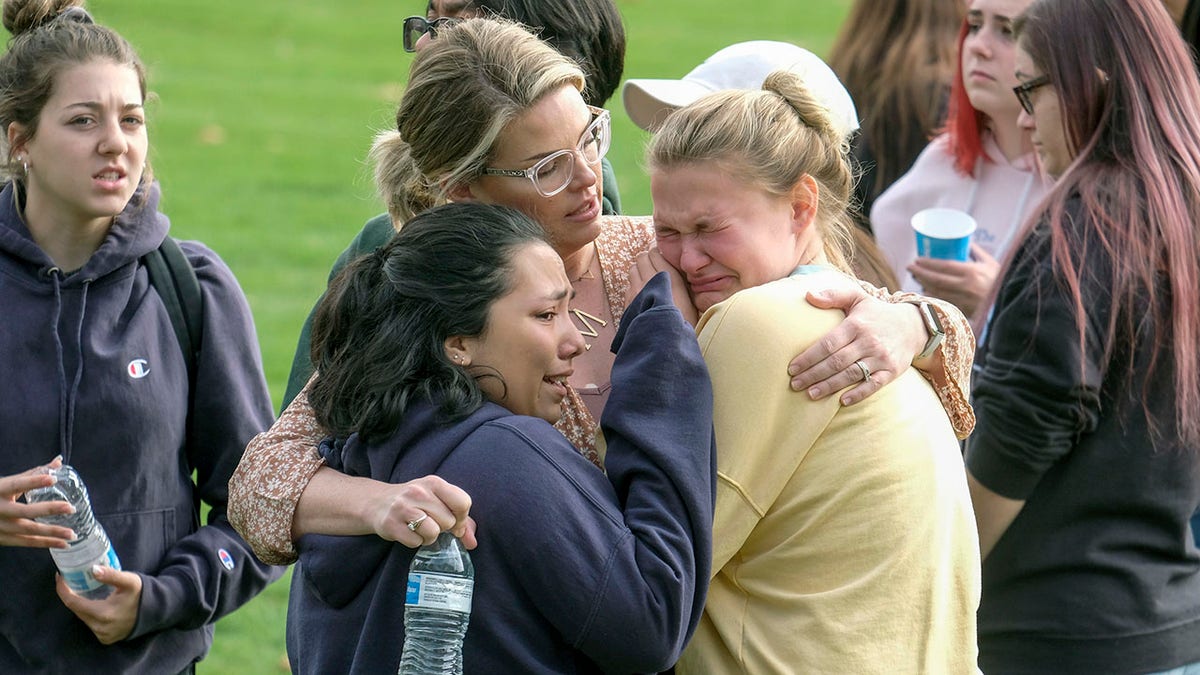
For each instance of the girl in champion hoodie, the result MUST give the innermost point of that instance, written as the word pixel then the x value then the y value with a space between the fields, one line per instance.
pixel 92 371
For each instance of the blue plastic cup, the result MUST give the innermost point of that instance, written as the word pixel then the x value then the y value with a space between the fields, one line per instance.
pixel 944 233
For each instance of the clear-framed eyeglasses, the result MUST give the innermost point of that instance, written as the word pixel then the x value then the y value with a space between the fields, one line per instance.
pixel 417 26
pixel 553 173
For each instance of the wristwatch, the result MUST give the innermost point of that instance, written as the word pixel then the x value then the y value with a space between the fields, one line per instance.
pixel 932 324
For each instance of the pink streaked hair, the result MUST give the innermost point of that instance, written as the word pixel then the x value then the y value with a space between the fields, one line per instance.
pixel 1130 102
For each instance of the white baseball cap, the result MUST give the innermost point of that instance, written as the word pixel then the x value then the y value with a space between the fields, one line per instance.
pixel 744 65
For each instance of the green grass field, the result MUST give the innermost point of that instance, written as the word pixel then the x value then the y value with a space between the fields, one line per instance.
pixel 265 110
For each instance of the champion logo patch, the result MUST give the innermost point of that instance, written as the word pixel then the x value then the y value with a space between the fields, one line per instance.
pixel 226 559
pixel 138 368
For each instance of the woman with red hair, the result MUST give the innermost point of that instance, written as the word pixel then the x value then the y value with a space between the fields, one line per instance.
pixel 1084 465
pixel 982 164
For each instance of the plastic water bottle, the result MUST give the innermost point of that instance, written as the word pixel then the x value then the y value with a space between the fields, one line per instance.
pixel 90 547
pixel 437 608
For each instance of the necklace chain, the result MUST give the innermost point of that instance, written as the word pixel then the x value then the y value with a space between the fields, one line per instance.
pixel 587 270
pixel 585 322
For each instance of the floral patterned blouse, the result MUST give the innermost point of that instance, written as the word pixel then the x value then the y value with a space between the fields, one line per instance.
pixel 279 463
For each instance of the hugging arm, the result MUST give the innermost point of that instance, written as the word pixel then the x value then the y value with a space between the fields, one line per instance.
pixel 334 503
pixel 662 459
pixel 887 332
pixel 884 331
pixel 277 467
pixel 282 490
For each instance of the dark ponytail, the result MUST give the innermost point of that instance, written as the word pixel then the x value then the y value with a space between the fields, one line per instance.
pixel 378 335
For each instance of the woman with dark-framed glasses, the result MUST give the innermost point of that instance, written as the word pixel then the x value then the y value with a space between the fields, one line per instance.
pixel 416 28
pixel 589 32
pixel 488 95
pixel 1084 468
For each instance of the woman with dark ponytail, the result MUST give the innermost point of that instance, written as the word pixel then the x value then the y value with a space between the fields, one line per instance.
pixel 96 377
pixel 568 558
pixel 458 264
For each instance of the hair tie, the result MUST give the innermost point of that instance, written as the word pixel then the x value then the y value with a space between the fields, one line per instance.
pixel 380 255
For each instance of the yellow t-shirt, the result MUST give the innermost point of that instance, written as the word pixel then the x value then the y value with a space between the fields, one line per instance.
pixel 844 540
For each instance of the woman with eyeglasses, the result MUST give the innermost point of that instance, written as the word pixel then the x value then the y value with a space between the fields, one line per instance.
pixel 493 114
pixel 982 164
pixel 1085 464
pixel 589 32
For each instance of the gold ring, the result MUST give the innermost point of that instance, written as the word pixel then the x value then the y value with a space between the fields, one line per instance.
pixel 414 524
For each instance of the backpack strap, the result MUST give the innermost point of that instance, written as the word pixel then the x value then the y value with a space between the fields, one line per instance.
pixel 172 277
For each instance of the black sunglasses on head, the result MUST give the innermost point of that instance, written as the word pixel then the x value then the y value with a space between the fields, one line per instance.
pixel 416 26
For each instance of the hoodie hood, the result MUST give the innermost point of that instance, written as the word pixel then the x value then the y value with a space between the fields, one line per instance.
pixel 136 231
pixel 338 571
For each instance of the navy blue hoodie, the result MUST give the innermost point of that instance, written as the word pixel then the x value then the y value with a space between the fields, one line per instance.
pixel 92 371
pixel 575 572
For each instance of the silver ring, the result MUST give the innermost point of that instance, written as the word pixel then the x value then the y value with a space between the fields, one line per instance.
pixel 414 524
pixel 866 372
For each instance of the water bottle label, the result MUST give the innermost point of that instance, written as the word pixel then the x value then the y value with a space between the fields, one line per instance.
pixel 81 580
pixel 111 559
pixel 436 591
